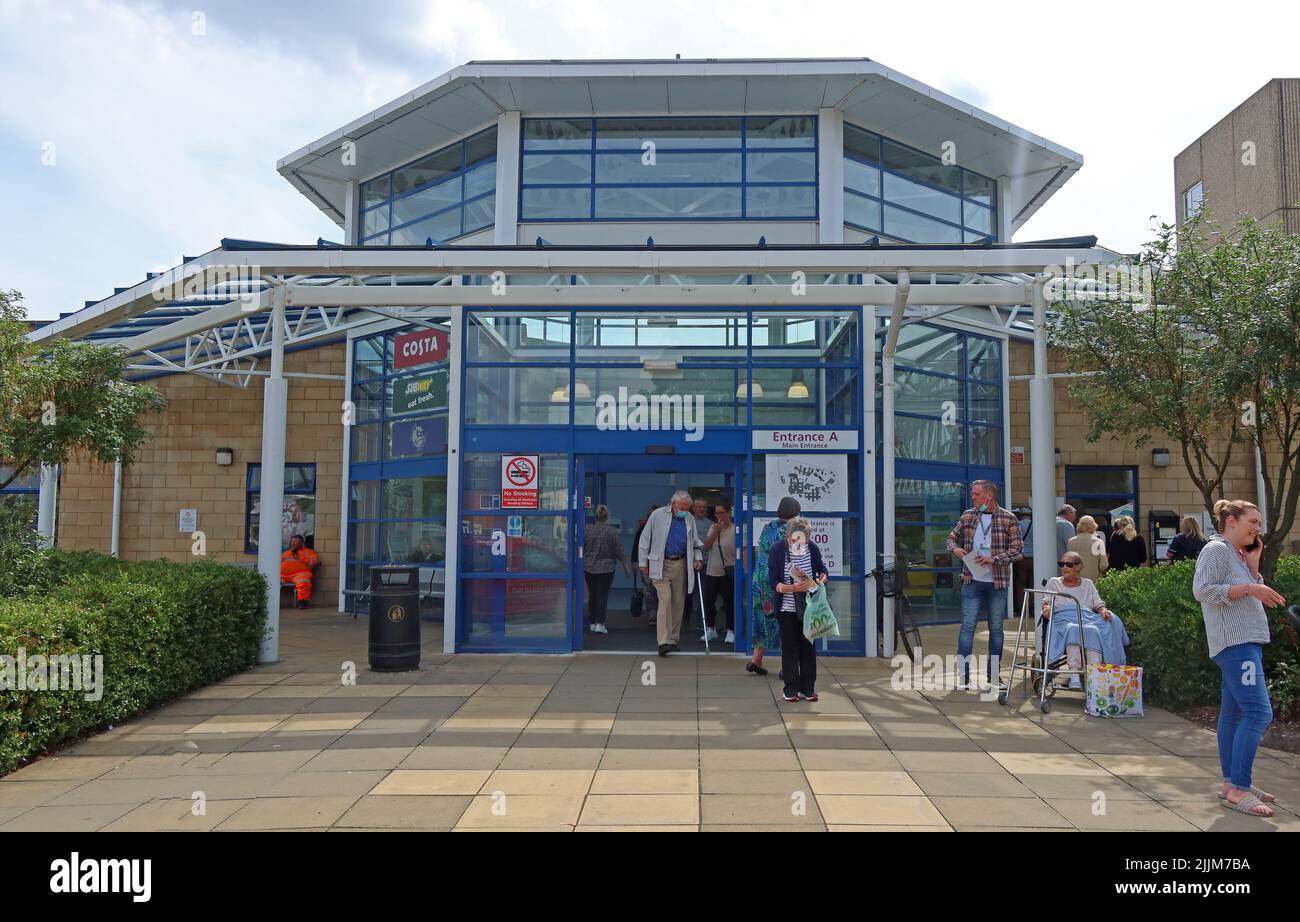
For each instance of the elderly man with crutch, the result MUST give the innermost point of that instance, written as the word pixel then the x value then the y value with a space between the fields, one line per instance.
pixel 669 553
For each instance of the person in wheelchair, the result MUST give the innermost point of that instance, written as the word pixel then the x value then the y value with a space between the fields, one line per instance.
pixel 1104 636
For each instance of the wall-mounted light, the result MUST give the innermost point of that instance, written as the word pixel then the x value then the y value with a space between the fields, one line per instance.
pixel 797 389
pixel 1160 457
pixel 225 457
pixel 561 393
pixel 1058 457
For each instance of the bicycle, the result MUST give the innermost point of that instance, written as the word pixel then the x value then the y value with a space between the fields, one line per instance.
pixel 891 583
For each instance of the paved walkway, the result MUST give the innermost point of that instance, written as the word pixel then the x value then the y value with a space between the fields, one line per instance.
pixel 579 742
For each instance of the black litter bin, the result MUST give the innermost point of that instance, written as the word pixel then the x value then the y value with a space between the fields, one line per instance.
pixel 394 618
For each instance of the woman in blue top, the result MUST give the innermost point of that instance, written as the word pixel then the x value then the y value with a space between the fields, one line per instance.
pixel 795 570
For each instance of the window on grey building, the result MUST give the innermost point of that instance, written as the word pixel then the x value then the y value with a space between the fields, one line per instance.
pixel 1193 201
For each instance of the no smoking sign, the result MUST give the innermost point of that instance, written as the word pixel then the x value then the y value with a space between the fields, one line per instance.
pixel 519 481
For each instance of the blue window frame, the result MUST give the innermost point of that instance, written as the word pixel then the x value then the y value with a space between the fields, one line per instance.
pixel 673 168
pixel 299 504
pixel 908 195
pixel 443 195
pixel 24 491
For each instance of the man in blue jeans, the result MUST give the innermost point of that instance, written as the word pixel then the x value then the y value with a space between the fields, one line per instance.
pixel 986 539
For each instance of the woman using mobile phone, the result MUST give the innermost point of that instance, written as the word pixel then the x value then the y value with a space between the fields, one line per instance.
pixel 795 568
pixel 1233 596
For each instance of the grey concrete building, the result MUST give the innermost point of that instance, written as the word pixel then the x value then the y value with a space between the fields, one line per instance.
pixel 1247 163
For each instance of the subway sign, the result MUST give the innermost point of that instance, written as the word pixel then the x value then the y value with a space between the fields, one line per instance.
pixel 426 392
pixel 422 347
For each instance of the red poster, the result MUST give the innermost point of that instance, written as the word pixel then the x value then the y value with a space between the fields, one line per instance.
pixel 422 347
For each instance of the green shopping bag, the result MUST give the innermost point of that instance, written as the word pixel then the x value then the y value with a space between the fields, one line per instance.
pixel 818 619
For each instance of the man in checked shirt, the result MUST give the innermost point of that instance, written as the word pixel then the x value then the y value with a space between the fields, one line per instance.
pixel 986 539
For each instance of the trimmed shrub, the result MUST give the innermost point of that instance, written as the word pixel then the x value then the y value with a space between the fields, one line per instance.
pixel 1168 633
pixel 162 628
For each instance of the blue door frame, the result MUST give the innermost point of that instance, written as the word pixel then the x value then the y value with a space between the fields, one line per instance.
pixel 732 467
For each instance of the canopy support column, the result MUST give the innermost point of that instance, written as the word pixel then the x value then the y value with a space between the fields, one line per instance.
pixel 115 535
pixel 1042 446
pixel 887 488
pixel 274 412
pixel 46 504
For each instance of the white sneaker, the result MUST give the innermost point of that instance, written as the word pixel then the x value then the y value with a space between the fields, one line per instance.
pixel 595 629
pixel 731 637
pixel 602 629
pixel 710 635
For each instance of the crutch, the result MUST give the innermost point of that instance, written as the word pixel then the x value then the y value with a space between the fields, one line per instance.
pixel 704 625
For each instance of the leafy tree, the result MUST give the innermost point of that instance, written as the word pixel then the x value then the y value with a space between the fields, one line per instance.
pixel 1208 352
pixel 64 399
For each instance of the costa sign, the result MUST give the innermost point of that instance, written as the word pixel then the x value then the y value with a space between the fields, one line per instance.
pixel 419 348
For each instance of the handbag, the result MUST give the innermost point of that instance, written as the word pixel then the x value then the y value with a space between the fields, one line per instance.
pixel 1113 691
pixel 818 619
pixel 637 601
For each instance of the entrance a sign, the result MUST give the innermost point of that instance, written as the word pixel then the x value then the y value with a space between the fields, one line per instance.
pixel 423 347
pixel 805 439
pixel 519 488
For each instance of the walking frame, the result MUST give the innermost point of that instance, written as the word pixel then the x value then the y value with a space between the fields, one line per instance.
pixel 1039 673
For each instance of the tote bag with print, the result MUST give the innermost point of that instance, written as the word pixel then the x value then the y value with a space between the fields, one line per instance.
pixel 1113 691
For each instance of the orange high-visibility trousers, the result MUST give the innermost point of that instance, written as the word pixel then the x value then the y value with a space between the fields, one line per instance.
pixel 301 584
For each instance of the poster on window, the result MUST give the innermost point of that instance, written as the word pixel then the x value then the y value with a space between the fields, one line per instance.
pixel 819 482
pixel 297 517
pixel 827 536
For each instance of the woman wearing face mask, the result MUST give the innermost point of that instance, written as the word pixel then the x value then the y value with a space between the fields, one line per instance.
pixel 1233 596
pixel 763 626
pixel 795 568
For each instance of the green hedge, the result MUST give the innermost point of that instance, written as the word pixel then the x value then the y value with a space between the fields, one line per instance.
pixel 1168 633
pixel 163 628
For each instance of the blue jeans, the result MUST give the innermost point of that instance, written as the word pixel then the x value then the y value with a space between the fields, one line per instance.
pixel 977 596
pixel 1244 711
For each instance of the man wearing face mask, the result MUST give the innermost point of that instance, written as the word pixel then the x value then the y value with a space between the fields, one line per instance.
pixel 669 552
pixel 987 540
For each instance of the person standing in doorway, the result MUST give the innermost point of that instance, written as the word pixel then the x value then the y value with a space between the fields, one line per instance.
pixel 1127 548
pixel 1232 596
pixel 987 541
pixel 1189 542
pixel 602 548
pixel 1022 570
pixel 794 569
pixel 700 516
pixel 1090 548
pixel 763 625
pixel 720 572
pixel 669 552
pixel 1066 516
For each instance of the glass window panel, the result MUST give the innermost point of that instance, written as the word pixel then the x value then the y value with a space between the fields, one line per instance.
pixel 979 188
pixel 540 549
pixel 984 357
pixel 930 348
pixel 368 357
pixel 631 133
pixel 550 204
pixel 517 395
pixel 986 403
pixel 481 482
pixel 781 202
pixel 513 611
pixel 416 498
pixel 379 240
pixel 431 169
pixel 812 336
pixel 635 337
pixel 786 131
pixel 445 226
pixel 550 168
pixel 368 398
pixel 928 500
pixel 861 178
pixel 900 191
pixel 916 165
pixel 913 227
pixel 365 442
pixel 986 445
pixel 363 502
pixel 555 133
pixel 427 201
pixel 861 144
pixel 374 220
pixel 667 203
pixel 481 179
pixel 977 217
pixel 862 212
pixel 516 336
pixel 363 541
pixel 374 190
pixel 481 147
pixel 671 401
pixel 480 213
pixel 972 237
pixel 928 440
pixel 781 166
pixel 1100 480
pixel 929 394
pixel 414 542
pixel 668 167
pixel 803 397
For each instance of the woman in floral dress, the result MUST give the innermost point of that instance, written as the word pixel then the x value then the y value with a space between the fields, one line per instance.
pixel 765 632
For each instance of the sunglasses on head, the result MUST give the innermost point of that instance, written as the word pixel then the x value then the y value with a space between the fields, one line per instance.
pixel 1067 563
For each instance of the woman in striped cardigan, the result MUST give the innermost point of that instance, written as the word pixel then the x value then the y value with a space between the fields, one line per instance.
pixel 1232 596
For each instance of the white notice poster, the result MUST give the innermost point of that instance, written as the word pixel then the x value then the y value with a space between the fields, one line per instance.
pixel 819 481
pixel 828 535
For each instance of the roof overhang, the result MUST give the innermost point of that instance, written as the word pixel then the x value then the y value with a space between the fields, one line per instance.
pixel 469 98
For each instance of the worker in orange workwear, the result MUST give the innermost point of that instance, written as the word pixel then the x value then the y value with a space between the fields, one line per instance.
pixel 296 566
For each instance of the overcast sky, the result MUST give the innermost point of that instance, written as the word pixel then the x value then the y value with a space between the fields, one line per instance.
pixel 127 140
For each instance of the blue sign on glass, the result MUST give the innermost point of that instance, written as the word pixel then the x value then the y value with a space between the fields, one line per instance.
pixel 420 437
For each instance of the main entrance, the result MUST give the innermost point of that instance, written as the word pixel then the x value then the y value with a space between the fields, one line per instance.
pixel 630 487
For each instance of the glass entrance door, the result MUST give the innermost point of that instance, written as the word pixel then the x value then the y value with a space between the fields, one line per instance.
pixel 629 488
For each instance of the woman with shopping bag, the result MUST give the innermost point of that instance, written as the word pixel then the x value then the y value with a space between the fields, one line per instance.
pixel 794 569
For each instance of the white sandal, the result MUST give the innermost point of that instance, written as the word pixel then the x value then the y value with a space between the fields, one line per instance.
pixel 1247 806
